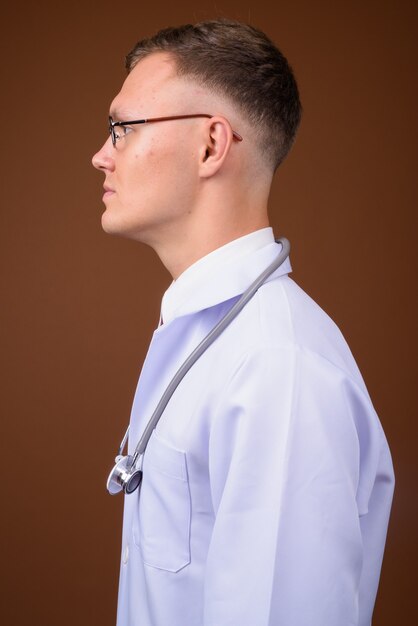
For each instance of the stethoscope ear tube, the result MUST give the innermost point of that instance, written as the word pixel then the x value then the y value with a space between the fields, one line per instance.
pixel 127 473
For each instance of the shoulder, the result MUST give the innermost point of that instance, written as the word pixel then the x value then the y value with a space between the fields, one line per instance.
pixel 281 330
pixel 288 316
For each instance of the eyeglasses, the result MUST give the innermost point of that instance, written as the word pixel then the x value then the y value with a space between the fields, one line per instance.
pixel 117 136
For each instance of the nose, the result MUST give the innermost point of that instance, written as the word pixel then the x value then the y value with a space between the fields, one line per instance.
pixel 104 159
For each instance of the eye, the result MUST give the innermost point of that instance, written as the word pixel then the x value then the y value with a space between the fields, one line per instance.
pixel 122 131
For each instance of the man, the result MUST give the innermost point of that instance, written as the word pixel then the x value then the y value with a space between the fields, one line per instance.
pixel 267 483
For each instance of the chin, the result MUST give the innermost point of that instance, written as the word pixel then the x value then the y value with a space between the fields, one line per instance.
pixel 108 224
pixel 115 226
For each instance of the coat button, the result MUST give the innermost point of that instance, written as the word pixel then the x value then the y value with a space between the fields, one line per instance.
pixel 125 554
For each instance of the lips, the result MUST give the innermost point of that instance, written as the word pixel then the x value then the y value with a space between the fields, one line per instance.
pixel 109 191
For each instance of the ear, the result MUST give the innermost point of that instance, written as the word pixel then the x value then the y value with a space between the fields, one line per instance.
pixel 217 140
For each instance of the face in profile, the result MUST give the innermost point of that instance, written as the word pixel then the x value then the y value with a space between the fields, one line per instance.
pixel 151 172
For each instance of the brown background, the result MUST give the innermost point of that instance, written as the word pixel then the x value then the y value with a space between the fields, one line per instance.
pixel 79 307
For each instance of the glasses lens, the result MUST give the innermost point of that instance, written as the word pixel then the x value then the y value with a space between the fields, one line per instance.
pixel 112 131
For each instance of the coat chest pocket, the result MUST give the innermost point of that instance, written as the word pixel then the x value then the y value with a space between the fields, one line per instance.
pixel 162 531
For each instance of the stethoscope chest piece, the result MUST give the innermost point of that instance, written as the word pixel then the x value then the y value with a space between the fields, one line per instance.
pixel 125 476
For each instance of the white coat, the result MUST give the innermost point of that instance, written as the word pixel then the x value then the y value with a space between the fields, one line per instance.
pixel 268 481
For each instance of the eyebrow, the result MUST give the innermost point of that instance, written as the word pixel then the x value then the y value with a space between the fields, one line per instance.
pixel 118 115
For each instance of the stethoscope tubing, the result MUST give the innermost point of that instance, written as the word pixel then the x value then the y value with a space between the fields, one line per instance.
pixel 200 349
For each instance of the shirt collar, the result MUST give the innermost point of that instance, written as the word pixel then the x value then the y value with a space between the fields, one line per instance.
pixel 222 274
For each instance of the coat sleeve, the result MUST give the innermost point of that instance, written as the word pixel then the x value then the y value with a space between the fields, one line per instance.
pixel 286 548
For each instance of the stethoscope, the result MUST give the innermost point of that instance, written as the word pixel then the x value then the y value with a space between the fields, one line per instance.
pixel 127 472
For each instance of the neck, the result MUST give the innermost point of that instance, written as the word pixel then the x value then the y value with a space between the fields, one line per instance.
pixel 215 219
pixel 183 254
pixel 204 232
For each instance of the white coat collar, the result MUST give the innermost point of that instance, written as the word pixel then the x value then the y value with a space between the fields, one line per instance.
pixel 222 274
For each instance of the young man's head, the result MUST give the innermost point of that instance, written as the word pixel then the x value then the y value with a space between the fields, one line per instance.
pixel 191 181
pixel 240 63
